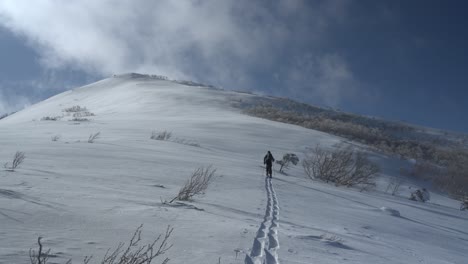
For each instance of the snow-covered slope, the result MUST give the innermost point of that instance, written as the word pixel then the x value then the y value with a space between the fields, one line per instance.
pixel 84 198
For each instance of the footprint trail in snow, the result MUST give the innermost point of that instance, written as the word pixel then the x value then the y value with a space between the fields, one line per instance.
pixel 266 242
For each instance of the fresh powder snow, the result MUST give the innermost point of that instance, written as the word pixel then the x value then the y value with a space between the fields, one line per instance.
pixel 84 195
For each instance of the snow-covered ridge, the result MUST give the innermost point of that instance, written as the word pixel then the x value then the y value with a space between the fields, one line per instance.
pixel 126 94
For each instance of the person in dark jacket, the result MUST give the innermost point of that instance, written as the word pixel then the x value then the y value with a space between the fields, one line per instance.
pixel 268 161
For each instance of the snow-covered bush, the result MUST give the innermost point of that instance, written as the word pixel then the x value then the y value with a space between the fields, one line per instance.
pixel 131 253
pixel 420 195
pixel 17 160
pixel 162 135
pixel 343 166
pixel 288 158
pixel 197 184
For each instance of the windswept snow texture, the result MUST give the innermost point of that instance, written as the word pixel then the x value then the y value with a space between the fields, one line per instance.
pixel 84 198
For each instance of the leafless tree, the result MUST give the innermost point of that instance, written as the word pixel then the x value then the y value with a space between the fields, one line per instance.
pixel 197 184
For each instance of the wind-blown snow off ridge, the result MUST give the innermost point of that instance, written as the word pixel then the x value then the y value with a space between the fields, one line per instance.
pixel 84 198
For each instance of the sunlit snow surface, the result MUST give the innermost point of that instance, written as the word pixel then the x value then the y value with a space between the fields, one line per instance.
pixel 84 198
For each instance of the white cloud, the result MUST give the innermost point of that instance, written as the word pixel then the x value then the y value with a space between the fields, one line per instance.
pixel 222 42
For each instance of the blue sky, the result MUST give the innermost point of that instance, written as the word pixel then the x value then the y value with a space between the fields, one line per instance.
pixel 400 60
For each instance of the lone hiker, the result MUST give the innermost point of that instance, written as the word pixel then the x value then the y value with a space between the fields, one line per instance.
pixel 268 161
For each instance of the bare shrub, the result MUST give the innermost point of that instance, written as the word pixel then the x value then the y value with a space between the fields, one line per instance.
pixel 162 135
pixel 83 114
pixel 343 166
pixel 75 108
pixel 55 138
pixel 51 118
pixel 17 160
pixel 131 253
pixel 186 142
pixel 288 158
pixel 41 257
pixel 80 119
pixel 93 137
pixel 197 184
pixel 394 185
pixel 134 253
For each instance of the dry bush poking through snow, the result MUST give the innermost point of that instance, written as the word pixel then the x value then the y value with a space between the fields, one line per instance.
pixel 197 184
pixel 93 137
pixel 83 114
pixel 79 119
pixel 55 138
pixel 163 135
pixel 17 160
pixel 51 118
pixel 75 108
pixel 394 185
pixel 131 253
pixel 342 166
